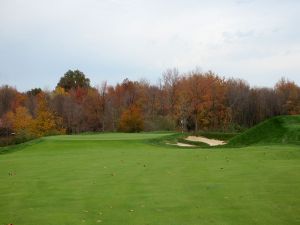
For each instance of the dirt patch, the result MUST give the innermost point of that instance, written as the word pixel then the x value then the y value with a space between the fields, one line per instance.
pixel 211 142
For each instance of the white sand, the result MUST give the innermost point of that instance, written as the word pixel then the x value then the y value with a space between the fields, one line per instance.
pixel 184 145
pixel 211 142
pixel 181 144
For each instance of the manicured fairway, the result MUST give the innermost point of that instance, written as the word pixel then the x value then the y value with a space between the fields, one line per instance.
pixel 125 179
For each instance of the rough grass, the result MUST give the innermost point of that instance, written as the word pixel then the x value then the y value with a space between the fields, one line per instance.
pixel 119 179
pixel 277 130
pixel 110 136
pixel 217 135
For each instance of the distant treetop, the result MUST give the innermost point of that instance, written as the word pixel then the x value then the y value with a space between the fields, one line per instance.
pixel 73 80
pixel 34 91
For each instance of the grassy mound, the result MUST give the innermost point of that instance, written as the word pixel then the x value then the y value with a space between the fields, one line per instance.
pixel 277 130
pixel 216 135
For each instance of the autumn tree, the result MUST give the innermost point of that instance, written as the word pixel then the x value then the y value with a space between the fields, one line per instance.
pixel 191 101
pixel 149 102
pixel 170 87
pixel 237 100
pixel 198 90
pixel 46 122
pixel 119 99
pixel 129 91
pixel 73 115
pixel 7 96
pixel 92 110
pixel 20 122
pixel 219 113
pixel 183 106
pixel 102 90
pixel 114 106
pixel 131 120
pixel 58 100
pixel 289 96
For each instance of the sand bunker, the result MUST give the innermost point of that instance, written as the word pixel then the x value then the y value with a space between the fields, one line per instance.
pixel 181 144
pixel 184 144
pixel 211 142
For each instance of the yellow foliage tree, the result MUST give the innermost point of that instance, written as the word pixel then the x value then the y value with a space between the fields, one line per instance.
pixel 59 91
pixel 20 121
pixel 46 122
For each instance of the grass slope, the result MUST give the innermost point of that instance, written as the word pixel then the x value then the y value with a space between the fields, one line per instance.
pixel 111 136
pixel 216 135
pixel 104 179
pixel 277 130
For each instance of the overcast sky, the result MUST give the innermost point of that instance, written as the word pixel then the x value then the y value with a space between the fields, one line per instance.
pixel 256 40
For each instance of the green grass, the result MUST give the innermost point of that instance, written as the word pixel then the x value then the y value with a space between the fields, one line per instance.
pixel 110 136
pixel 277 130
pixel 130 179
pixel 217 135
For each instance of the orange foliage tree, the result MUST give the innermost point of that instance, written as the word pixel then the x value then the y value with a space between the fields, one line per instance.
pixel 131 120
pixel 92 110
pixel 289 94
pixel 190 101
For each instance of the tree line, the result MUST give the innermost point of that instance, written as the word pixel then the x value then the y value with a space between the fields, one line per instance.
pixel 190 101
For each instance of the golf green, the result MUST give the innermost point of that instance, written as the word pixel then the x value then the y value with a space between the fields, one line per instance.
pixel 126 179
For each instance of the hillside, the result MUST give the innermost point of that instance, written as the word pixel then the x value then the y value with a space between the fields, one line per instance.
pixel 277 130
